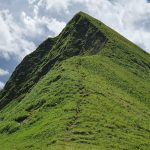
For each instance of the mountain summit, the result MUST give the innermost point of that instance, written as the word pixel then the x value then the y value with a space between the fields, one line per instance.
pixel 87 88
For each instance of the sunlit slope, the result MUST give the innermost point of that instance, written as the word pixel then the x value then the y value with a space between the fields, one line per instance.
pixel 88 88
pixel 84 100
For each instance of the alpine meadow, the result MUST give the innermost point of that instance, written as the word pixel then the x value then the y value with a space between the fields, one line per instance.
pixel 86 89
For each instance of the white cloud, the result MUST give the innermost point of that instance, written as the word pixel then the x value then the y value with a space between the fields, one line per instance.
pixel 36 24
pixel 1 85
pixel 3 72
pixel 57 5
pixel 32 1
pixel 56 26
pixel 12 40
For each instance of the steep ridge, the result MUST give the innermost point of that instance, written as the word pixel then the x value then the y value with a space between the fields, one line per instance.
pixel 88 88
pixel 26 74
pixel 78 38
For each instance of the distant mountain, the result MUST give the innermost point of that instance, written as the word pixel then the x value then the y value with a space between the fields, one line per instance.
pixel 88 88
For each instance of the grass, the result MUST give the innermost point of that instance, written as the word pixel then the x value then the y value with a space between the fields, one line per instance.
pixel 93 98
pixel 83 101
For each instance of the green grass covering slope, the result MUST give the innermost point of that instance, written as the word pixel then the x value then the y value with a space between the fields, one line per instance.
pixel 84 100
pixel 95 96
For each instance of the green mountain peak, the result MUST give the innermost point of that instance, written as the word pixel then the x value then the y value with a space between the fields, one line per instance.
pixel 87 88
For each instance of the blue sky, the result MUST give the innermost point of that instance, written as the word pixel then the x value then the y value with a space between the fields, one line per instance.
pixel 25 24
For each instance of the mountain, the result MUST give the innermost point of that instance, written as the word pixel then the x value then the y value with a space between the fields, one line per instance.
pixel 88 88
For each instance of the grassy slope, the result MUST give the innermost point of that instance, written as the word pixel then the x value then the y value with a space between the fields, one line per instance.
pixel 85 102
